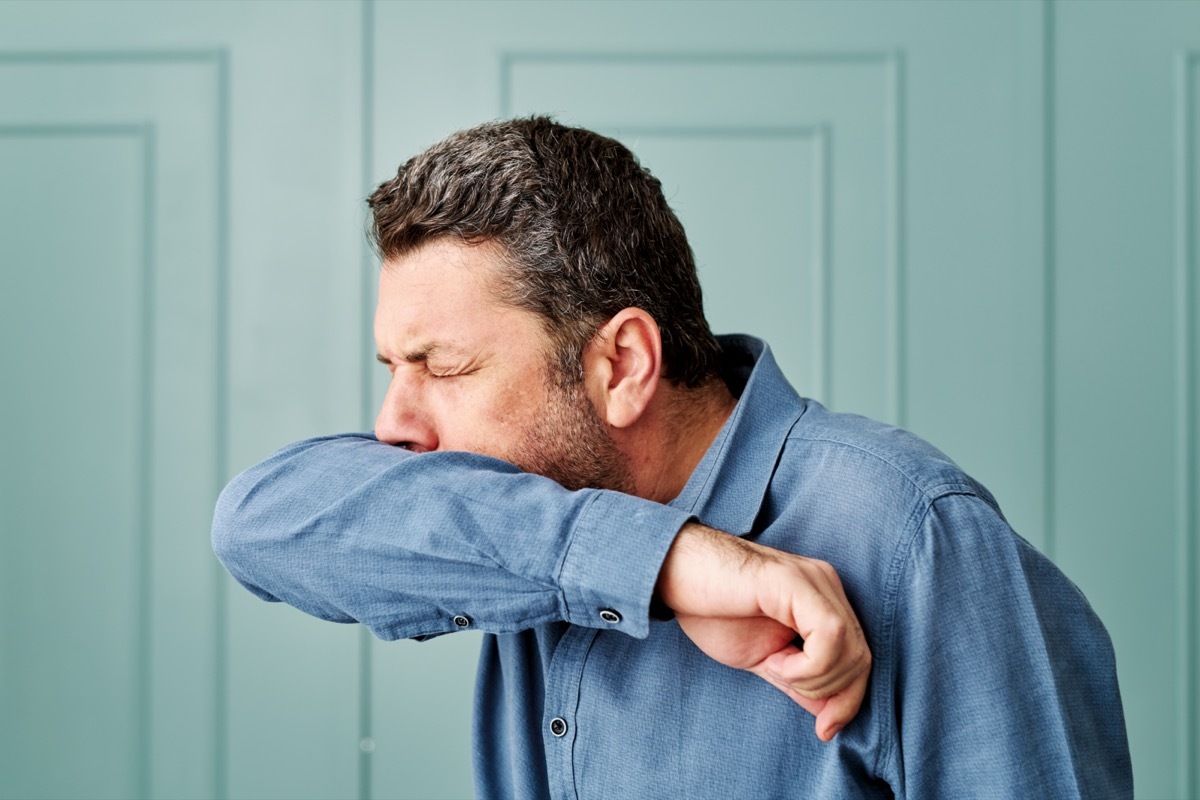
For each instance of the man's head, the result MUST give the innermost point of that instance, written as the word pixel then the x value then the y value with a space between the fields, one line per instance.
pixel 473 373
pixel 538 302
pixel 582 230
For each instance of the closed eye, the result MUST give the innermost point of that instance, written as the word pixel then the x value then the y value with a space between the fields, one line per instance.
pixel 447 373
pixel 422 357
pixel 457 367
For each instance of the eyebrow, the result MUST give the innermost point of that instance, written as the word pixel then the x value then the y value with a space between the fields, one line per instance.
pixel 420 355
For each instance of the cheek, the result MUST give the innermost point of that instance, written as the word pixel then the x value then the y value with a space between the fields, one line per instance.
pixel 469 417
pixel 506 418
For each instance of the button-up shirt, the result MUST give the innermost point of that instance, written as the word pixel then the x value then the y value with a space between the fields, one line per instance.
pixel 992 676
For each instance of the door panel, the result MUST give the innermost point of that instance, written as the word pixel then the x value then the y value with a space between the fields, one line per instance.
pixel 748 176
pixel 170 209
pixel 76 454
pixel 99 253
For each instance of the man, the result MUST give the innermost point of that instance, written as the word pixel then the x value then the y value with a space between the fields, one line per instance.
pixel 538 304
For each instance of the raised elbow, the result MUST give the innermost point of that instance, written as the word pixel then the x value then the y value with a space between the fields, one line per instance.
pixel 237 533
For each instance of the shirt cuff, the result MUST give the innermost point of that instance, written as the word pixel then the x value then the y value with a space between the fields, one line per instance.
pixel 612 562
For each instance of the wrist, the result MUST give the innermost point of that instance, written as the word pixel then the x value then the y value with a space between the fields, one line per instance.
pixel 703 570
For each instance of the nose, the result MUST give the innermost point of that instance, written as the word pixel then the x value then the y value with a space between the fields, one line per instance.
pixel 403 420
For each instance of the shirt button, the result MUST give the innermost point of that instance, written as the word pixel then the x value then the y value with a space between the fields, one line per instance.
pixel 610 616
pixel 558 726
pixel 462 621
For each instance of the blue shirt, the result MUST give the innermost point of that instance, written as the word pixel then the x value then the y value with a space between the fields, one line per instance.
pixel 992 676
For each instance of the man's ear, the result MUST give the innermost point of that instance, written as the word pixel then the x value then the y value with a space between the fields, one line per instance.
pixel 622 365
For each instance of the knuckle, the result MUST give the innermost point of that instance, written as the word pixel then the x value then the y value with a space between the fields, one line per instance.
pixel 834 634
pixel 818 565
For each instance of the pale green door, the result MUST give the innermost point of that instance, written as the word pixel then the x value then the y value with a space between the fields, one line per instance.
pixel 976 219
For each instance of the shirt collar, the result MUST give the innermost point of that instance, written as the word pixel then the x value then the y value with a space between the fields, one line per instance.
pixel 727 487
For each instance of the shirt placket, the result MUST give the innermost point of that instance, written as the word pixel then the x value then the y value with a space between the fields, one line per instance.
pixel 560 735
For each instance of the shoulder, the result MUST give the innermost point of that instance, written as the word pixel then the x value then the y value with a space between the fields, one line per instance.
pixel 861 494
pixel 875 456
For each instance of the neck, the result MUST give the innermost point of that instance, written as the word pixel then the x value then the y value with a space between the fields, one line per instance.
pixel 674 435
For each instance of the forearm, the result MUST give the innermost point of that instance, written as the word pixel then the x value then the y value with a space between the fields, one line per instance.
pixel 348 529
pixel 748 606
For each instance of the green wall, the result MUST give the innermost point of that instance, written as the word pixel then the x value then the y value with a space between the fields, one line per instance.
pixel 978 220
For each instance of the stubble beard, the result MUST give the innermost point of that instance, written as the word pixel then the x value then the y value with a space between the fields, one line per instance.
pixel 571 445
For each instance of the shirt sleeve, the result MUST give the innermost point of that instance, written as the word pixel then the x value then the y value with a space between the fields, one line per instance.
pixel 1015 696
pixel 349 529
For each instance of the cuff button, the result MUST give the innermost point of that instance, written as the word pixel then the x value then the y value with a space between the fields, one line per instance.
pixel 462 621
pixel 610 616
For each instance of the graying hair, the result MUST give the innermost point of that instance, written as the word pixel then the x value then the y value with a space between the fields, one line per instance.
pixel 584 229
